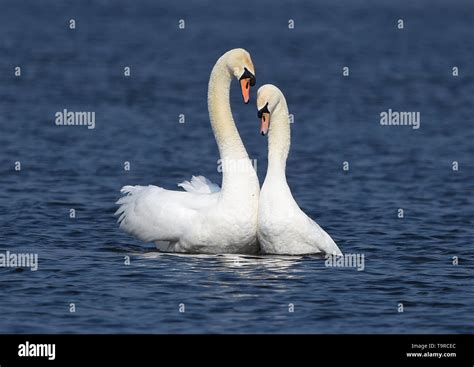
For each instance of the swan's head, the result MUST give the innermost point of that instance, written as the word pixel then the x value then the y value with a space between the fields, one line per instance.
pixel 268 99
pixel 241 66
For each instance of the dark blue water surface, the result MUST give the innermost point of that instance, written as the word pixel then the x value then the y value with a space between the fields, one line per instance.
pixel 408 261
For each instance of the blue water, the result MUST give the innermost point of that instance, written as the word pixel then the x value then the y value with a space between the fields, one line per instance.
pixel 81 260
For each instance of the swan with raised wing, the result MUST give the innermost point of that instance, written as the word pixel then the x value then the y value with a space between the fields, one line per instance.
pixel 205 218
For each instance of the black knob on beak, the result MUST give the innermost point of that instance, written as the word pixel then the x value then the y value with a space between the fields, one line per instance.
pixel 248 75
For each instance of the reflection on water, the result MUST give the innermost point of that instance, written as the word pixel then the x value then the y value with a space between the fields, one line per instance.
pixel 242 265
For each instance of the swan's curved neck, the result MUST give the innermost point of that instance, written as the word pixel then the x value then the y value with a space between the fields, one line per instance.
pixel 238 176
pixel 279 138
pixel 223 125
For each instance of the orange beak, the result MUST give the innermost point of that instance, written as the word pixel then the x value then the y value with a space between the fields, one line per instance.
pixel 265 123
pixel 245 85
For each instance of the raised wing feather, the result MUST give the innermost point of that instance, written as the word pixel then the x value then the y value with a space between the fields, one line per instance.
pixel 152 213
pixel 200 185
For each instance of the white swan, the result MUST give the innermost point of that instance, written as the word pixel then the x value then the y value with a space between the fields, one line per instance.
pixel 204 219
pixel 283 228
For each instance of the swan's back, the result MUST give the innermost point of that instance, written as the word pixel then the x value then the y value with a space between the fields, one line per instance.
pixel 152 213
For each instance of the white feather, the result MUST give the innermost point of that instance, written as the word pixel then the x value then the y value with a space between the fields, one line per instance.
pixel 200 185
pixel 152 213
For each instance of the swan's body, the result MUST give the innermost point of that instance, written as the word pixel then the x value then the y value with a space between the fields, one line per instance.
pixel 204 218
pixel 283 228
